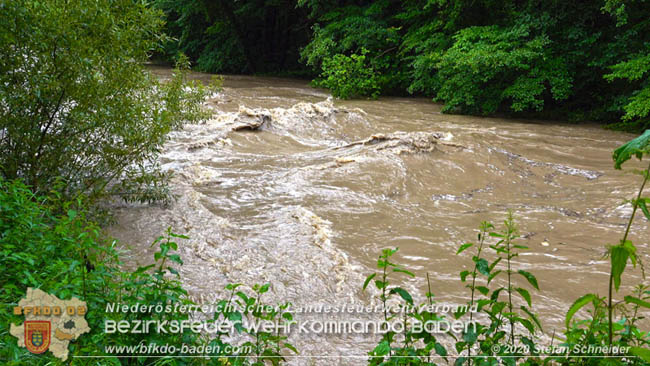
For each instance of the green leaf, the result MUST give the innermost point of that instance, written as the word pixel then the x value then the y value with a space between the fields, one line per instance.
pixel 481 303
pixel 243 296
pixel 175 258
pixel 470 336
pixel 525 294
pixel 531 279
pixel 577 305
pixel 642 353
pixel 527 324
pixel 495 294
pixel 368 279
pixel 532 316
pixel 644 207
pixel 463 275
pixel 382 348
pixel 235 316
pixel 493 275
pixel 31 279
pixel 178 236
pixel 464 247
pixel 143 269
pixel 619 256
pixel 636 147
pixel 403 294
pixel 483 266
pixel 637 301
pixel 494 264
pixel 291 347
pixel 400 270
pixel 483 290
pixel 440 349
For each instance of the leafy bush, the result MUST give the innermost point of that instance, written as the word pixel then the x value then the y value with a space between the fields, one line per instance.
pixel 76 103
pixel 349 76
pixel 54 252
pixel 488 65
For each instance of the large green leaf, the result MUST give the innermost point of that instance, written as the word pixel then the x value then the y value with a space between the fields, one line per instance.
pixel 532 316
pixel 619 256
pixel 643 353
pixel 525 294
pixel 577 305
pixel 400 270
pixel 368 279
pixel 483 266
pixel 382 348
pixel 440 349
pixel 636 147
pixel 403 294
pixel 463 247
pixel 643 204
pixel 530 277
pixel 637 301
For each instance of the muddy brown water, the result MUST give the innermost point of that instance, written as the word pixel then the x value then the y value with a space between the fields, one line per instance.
pixel 274 189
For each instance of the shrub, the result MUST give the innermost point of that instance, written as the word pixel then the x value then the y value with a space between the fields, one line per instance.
pixel 76 102
pixel 349 76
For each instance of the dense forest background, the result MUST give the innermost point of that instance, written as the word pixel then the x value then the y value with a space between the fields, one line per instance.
pixel 573 60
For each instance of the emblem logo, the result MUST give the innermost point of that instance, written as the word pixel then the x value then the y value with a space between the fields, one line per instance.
pixel 37 335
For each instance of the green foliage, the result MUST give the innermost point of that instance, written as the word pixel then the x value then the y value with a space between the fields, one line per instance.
pixel 76 104
pixel 52 251
pixel 577 61
pixel 637 147
pixel 349 77
pixel 570 60
pixel 488 65
pixel 48 243
pixel 579 304
pixel 507 333
pixel 636 65
pixel 415 345
pixel 368 33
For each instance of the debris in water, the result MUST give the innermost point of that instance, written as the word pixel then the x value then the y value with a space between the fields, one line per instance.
pixel 401 142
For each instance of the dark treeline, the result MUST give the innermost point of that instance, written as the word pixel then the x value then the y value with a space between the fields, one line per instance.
pixel 575 60
pixel 238 36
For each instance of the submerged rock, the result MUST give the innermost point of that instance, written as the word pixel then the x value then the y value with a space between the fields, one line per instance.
pixel 250 119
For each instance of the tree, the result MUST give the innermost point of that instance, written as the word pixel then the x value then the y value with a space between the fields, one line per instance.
pixel 76 103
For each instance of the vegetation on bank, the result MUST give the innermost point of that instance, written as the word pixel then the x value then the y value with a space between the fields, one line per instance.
pixel 77 109
pixel 587 60
pixel 52 244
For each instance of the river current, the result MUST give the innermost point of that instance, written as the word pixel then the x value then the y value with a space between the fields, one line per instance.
pixel 285 185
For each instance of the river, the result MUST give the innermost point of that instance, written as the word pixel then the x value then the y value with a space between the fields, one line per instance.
pixel 284 185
